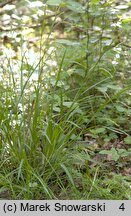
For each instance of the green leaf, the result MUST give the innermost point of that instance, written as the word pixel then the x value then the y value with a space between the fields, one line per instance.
pixel 68 174
pixel 114 154
pixel 76 7
pixel 127 20
pixel 56 109
pixel 128 140
pixel 123 152
pixel 102 89
pixel 95 1
pixel 33 185
pixel 120 108
pixel 104 152
pixel 80 72
pixel 67 104
pixel 98 130
pixel 54 2
pixel 84 156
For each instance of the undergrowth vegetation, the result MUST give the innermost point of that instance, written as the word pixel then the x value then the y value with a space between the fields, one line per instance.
pixel 65 108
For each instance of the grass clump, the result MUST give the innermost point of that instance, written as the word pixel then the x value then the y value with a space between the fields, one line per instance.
pixel 65 109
